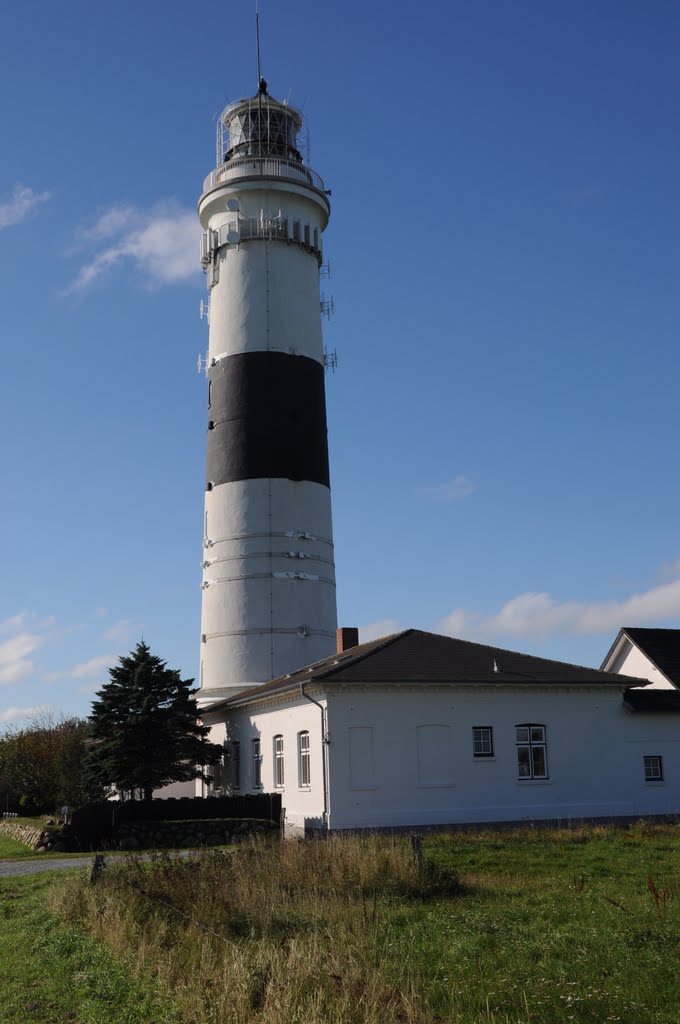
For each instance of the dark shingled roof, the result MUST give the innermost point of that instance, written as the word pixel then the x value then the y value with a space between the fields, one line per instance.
pixel 417 657
pixel 662 647
pixel 652 700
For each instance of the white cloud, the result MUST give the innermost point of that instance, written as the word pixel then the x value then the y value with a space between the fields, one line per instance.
pixel 20 205
pixel 374 630
pixel 112 222
pixel 122 631
pixel 93 667
pixel 669 570
pixel 15 662
pixel 538 614
pixel 14 622
pixel 453 490
pixel 85 669
pixel 12 714
pixel 89 688
pixel 161 243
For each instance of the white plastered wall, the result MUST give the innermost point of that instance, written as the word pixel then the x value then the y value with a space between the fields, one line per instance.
pixel 630 661
pixel 383 773
pixel 303 610
pixel 593 748
pixel 256 273
pixel 303 805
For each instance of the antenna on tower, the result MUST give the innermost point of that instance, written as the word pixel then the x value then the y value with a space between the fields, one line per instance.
pixel 261 84
pixel 257 39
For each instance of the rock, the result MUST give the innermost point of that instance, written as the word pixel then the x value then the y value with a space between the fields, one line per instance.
pixel 59 847
pixel 128 843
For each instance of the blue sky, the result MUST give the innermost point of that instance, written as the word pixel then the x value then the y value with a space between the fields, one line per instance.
pixel 504 247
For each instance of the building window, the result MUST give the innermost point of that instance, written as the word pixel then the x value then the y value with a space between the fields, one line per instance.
pixel 217 772
pixel 304 775
pixel 653 768
pixel 257 764
pixel 278 762
pixel 532 761
pixel 236 765
pixel 482 741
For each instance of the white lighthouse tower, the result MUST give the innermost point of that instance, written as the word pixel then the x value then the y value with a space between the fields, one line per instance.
pixel 268 570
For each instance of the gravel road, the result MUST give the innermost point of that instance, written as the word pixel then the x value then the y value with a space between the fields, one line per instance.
pixel 13 868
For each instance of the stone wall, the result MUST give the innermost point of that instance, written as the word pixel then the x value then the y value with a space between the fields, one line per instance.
pixel 41 839
pixel 137 835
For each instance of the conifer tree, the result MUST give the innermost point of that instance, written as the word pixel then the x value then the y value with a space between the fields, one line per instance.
pixel 145 727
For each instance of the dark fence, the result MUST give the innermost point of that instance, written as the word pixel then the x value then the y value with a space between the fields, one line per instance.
pixel 95 824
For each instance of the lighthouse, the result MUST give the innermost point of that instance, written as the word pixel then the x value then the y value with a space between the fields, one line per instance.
pixel 268 574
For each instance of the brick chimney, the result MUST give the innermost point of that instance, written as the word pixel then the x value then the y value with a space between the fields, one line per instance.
pixel 346 638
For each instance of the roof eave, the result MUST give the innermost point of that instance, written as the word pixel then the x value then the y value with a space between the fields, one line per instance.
pixel 249 696
pixel 613 650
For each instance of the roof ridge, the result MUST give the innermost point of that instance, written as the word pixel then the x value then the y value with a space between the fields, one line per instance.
pixel 506 650
pixel 650 629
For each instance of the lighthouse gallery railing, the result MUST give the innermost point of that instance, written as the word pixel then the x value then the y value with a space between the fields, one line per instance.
pixel 268 167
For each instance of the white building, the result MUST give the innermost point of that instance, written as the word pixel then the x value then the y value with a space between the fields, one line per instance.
pixel 417 729
pixel 653 654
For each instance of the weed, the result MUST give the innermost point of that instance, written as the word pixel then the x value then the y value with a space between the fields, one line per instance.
pixel 494 926
pixel 660 897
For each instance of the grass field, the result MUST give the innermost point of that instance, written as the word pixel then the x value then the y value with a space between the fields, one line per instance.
pixel 54 973
pixel 529 927
pixel 13 848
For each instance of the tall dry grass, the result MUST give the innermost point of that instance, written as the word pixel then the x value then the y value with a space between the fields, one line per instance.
pixel 270 932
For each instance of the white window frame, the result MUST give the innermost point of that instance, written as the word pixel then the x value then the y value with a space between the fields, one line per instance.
pixel 235 780
pixel 531 737
pixel 304 760
pixel 256 760
pixel 482 737
pixel 653 765
pixel 279 765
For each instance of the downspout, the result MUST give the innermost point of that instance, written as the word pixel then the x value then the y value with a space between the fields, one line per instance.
pixel 324 752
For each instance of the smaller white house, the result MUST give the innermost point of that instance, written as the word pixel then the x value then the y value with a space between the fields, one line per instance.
pixel 653 654
pixel 417 729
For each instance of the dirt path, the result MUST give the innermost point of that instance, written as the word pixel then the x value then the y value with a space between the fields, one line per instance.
pixel 13 868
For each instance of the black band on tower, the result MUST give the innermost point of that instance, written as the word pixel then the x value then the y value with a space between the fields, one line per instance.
pixel 267 419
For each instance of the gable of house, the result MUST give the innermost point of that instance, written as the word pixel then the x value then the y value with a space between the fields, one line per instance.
pixel 653 654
